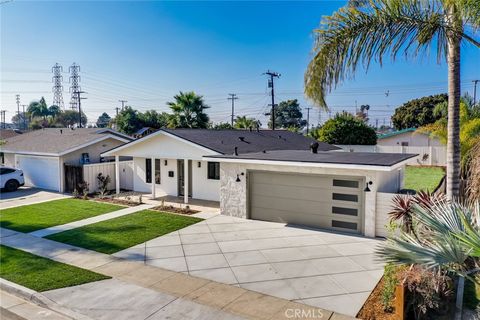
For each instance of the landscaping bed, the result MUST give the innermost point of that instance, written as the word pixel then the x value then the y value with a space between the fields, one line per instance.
pixel 122 202
pixel 41 274
pixel 186 210
pixel 423 178
pixel 120 233
pixel 52 213
pixel 373 308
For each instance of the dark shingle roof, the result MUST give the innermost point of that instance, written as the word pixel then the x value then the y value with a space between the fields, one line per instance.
pixel 56 140
pixel 357 158
pixel 225 141
pixel 8 133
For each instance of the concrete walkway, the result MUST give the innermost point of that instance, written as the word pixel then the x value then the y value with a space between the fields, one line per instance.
pixel 26 195
pixel 139 291
pixel 84 222
pixel 324 269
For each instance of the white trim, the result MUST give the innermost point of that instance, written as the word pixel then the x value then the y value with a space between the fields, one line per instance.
pixel 308 164
pixel 40 154
pixel 114 132
pixel 156 133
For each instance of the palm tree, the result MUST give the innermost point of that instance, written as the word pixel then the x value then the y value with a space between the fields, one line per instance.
pixel 446 236
pixel 54 111
pixel 38 109
pixel 188 111
pixel 242 122
pixel 367 30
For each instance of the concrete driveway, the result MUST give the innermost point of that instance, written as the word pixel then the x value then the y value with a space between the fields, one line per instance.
pixel 324 269
pixel 27 195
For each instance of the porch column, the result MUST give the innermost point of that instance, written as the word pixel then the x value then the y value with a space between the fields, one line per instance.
pixel 152 170
pixel 117 174
pixel 185 181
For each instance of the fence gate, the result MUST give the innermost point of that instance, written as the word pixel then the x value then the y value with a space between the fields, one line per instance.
pixel 73 177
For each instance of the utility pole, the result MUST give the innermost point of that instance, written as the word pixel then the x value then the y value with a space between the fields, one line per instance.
pixel 17 98
pixel 272 75
pixel 475 91
pixel 123 104
pixel 24 118
pixel 116 110
pixel 2 117
pixel 308 118
pixel 232 97
pixel 79 100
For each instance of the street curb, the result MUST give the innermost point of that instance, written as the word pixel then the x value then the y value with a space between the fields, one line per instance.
pixel 39 299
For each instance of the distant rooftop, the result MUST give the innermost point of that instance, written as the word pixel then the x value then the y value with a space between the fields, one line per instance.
pixel 394 133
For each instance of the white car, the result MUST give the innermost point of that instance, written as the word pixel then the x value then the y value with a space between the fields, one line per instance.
pixel 10 178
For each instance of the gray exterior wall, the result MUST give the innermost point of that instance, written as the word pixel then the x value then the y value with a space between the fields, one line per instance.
pixel 93 151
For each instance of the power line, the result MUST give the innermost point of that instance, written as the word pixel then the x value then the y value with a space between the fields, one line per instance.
pixel 272 75
pixel 57 86
pixel 123 103
pixel 232 97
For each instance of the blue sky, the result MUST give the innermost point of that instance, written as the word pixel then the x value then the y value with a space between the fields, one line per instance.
pixel 145 52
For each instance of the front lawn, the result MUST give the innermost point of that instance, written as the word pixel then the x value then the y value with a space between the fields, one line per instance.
pixel 423 178
pixel 53 213
pixel 41 274
pixel 114 235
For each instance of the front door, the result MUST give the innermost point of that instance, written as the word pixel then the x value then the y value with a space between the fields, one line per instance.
pixel 181 177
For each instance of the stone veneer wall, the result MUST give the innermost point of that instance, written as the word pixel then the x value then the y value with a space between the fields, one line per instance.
pixel 233 195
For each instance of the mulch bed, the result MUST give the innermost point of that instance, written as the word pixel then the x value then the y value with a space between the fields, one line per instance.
pixel 177 210
pixel 122 202
pixel 373 307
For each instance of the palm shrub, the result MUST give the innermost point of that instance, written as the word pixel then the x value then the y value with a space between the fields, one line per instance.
pixel 446 238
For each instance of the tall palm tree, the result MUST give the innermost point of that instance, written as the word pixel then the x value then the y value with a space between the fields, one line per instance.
pixel 188 111
pixel 367 30
pixel 38 109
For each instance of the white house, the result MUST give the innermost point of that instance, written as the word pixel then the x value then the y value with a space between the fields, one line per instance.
pixel 408 138
pixel 266 175
pixel 42 154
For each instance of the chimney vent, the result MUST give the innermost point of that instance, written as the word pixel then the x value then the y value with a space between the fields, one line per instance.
pixel 314 147
pixel 236 151
pixel 61 131
pixel 241 139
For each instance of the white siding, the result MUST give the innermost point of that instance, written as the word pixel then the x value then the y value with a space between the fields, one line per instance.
pixel 383 207
pixel 204 188
pixel 91 171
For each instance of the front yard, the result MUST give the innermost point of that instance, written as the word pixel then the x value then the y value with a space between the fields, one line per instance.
pixel 423 178
pixel 47 214
pixel 41 274
pixel 114 235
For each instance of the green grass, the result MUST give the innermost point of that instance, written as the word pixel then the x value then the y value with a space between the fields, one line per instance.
pixel 41 274
pixel 113 235
pixel 471 295
pixel 53 213
pixel 423 178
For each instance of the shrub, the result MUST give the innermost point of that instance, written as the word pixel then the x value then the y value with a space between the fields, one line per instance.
pixel 344 128
pixel 103 182
pixel 390 282
pixel 84 188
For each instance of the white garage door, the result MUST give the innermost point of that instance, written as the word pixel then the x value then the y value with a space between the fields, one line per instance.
pixel 40 172
pixel 311 200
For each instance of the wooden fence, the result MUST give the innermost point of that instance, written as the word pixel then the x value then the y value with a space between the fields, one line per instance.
pixel 91 171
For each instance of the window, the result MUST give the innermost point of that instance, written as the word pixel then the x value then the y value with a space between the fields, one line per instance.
pixel 85 158
pixel 404 143
pixel 345 183
pixel 345 211
pixel 345 197
pixel 344 224
pixel 214 170
pixel 157 171
pixel 6 170
pixel 2 158
pixel 148 170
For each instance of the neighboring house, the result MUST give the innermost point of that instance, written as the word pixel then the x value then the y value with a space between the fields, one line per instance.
pixel 8 133
pixel 408 138
pixel 42 154
pixel 267 175
pixel 143 132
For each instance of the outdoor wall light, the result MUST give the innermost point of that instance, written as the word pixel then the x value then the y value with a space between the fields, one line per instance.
pixel 238 177
pixel 199 164
pixel 367 189
pixel 165 162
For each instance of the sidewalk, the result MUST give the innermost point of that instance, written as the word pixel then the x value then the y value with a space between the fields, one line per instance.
pixel 158 292
pixel 80 223
pixel 15 308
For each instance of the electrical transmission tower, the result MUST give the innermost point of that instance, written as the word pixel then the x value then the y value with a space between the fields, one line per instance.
pixel 272 75
pixel 233 97
pixel 57 90
pixel 74 85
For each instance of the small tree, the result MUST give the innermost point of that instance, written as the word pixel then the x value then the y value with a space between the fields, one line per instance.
pixel 344 128
pixel 103 182
pixel 103 120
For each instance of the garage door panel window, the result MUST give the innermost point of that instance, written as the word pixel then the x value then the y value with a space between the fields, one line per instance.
pixel 345 183
pixel 344 225
pixel 345 211
pixel 345 197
